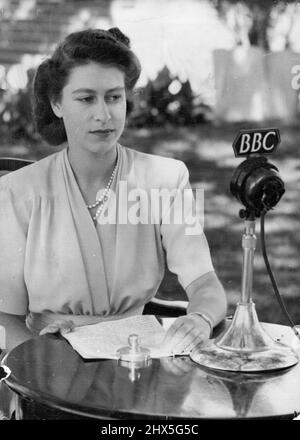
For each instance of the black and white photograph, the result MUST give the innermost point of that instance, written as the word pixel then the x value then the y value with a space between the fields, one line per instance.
pixel 149 214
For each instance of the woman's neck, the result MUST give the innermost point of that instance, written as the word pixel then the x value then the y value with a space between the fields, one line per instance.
pixel 92 170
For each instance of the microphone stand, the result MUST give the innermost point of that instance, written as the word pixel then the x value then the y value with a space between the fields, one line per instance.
pixel 245 346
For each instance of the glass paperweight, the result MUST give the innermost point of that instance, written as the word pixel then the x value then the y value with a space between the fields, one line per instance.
pixel 133 352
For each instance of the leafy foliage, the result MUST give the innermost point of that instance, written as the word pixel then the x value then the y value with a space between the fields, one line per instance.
pixel 167 100
pixel 254 18
pixel 15 117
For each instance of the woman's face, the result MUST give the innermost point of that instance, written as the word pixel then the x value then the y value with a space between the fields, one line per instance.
pixel 93 107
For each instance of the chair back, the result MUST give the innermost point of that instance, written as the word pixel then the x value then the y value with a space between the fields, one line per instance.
pixel 9 164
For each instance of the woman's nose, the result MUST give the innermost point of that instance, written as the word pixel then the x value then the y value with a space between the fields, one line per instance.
pixel 101 112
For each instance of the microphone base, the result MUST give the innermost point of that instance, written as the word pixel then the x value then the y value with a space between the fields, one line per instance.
pixel 245 346
pixel 277 357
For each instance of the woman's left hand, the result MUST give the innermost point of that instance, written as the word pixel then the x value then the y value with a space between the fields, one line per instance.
pixel 186 333
pixel 61 326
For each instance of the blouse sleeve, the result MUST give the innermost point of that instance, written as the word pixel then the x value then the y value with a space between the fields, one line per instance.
pixel 13 292
pixel 185 244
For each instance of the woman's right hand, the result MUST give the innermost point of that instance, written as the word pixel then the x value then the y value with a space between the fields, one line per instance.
pixel 62 326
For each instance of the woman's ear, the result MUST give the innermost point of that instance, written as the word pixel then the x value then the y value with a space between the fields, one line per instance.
pixel 56 108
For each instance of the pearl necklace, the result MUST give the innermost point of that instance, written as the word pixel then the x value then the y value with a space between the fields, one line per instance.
pixel 100 202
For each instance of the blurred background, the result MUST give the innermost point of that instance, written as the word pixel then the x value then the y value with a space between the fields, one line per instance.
pixel 210 68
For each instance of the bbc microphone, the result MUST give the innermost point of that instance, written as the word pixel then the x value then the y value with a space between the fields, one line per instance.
pixel 246 346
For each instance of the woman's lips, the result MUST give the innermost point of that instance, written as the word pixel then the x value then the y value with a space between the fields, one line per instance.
pixel 102 133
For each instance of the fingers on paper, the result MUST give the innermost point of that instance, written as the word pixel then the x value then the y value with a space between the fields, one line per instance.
pixel 184 335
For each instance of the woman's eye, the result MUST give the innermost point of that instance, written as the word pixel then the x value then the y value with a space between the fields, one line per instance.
pixel 86 99
pixel 113 98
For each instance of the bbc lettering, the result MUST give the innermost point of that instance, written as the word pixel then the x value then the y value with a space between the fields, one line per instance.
pixel 258 143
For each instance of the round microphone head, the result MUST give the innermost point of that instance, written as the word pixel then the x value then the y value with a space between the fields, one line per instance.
pixel 257 185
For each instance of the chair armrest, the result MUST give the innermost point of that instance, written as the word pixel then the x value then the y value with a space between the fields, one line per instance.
pixel 164 307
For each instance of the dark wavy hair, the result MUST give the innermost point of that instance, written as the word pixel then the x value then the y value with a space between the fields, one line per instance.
pixel 109 47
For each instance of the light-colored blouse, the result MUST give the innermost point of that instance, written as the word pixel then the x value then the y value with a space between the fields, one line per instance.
pixel 55 260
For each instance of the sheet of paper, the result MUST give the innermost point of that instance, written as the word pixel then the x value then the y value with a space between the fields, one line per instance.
pixel 101 341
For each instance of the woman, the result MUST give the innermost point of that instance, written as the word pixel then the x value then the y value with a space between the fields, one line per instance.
pixel 60 260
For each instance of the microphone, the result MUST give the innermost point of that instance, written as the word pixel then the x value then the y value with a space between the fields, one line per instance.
pixel 257 185
pixel 245 346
